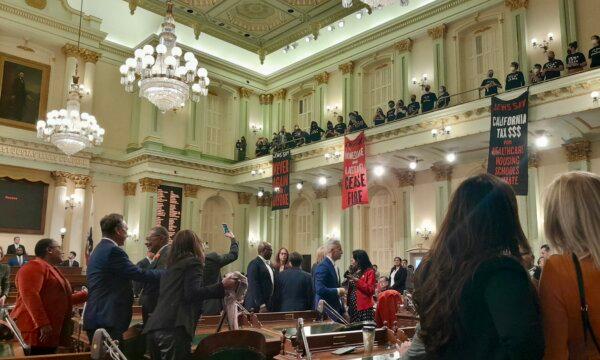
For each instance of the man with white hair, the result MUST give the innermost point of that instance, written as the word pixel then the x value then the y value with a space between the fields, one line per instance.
pixel 261 280
pixel 327 284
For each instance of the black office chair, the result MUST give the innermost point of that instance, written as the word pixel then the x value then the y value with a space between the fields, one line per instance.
pixel 232 345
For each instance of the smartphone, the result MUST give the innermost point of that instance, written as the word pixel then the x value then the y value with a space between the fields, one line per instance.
pixel 225 228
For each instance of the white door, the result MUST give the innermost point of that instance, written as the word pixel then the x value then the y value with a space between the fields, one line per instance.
pixel 378 90
pixel 479 54
pixel 381 234
pixel 302 228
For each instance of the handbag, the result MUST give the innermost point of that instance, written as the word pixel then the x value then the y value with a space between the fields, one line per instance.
pixel 585 318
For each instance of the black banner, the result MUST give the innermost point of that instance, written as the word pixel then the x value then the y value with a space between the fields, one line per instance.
pixel 168 211
pixel 508 157
pixel 282 161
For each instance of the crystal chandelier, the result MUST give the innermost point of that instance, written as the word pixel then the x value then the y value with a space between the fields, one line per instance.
pixel 162 79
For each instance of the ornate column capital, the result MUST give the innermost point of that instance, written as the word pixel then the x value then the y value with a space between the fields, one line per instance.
pixel 443 172
pixel 38 4
pixel 405 177
pixel 81 181
pixel 149 184
pixel 533 159
pixel 60 177
pixel 578 150
pixel 245 92
pixel 129 188
pixel 190 190
pixel 516 4
pixel 322 78
pixel 70 50
pixel 280 94
pixel 90 56
pixel 244 198
pixel 321 193
pixel 264 200
pixel 404 45
pixel 347 68
pixel 265 99
pixel 437 32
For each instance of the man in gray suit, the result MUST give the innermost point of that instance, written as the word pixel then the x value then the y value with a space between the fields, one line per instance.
pixel 157 243
pixel 213 263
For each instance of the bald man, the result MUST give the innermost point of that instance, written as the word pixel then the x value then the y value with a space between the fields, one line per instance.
pixel 261 280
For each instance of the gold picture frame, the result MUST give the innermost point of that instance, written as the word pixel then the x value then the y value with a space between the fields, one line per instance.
pixel 23 98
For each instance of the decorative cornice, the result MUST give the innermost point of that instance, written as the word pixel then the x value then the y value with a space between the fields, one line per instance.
pixel 321 193
pixel 149 184
pixel 533 159
pixel 244 198
pixel 81 181
pixel 90 56
pixel 280 94
pixel 437 32
pixel 406 178
pixel 265 99
pixel 190 190
pixel 347 68
pixel 129 188
pixel 443 172
pixel 245 92
pixel 404 45
pixel 322 78
pixel 60 177
pixel 264 200
pixel 578 150
pixel 70 50
pixel 516 4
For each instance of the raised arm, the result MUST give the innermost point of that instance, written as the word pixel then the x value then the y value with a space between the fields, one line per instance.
pixel 194 290
pixel 231 256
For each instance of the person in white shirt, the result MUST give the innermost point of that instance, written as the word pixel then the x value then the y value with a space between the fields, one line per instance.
pixel 261 280
pixel 70 262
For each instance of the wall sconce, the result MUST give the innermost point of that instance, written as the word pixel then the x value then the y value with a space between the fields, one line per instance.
pixel 424 233
pixel 133 236
pixel 63 231
pixel 422 83
pixel 257 172
pixel 71 202
pixel 544 44
pixel 256 128
pixel 335 155
pixel 252 241
pixel 331 108
pixel 594 95
pixel 260 193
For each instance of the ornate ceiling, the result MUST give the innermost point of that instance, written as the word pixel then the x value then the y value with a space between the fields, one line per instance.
pixel 260 26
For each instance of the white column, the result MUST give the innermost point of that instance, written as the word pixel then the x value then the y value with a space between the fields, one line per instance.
pixel 71 52
pixel 347 70
pixel 147 206
pixel 443 174
pixel 406 181
pixel 320 98
pixel 77 236
pixel 58 203
pixel 241 228
pixel 189 220
pixel 89 58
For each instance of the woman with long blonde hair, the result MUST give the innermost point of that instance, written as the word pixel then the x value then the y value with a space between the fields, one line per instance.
pixel 569 287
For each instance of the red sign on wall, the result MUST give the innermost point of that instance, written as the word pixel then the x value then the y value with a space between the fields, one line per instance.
pixel 354 181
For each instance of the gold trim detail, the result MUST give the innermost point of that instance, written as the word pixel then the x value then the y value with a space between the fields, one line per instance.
pixel 245 92
pixel 321 193
pixel 442 172
pixel 244 198
pixel 578 150
pixel 347 68
pixel 516 4
pixel 280 94
pixel 81 181
pixel 437 32
pixel 38 4
pixel 149 184
pixel 129 188
pixel 90 56
pixel 406 178
pixel 264 200
pixel 265 99
pixel 190 190
pixel 404 45
pixel 60 178
pixel 533 159
pixel 322 78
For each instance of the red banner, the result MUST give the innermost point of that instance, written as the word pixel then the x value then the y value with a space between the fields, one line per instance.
pixel 354 182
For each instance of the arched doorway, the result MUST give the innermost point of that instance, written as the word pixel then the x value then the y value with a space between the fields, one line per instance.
pixel 302 236
pixel 381 230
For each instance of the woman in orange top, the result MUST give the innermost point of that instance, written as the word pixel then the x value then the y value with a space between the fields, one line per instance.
pixel 44 300
pixel 572 226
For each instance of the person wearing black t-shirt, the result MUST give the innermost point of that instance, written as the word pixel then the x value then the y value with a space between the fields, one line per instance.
pixel 575 60
pixel 553 67
pixel 515 78
pixel 379 118
pixel 428 100
pixel 330 132
pixel 594 54
pixel 444 99
pixel 391 113
pixel 340 127
pixel 359 122
pixel 400 110
pixel 491 84
pixel 414 106
pixel 315 132
pixel 297 136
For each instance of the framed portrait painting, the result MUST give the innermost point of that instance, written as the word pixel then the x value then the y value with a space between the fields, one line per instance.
pixel 23 91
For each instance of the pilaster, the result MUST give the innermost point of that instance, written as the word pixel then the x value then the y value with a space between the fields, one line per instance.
pixel 76 238
pixel 90 58
pixel 406 183
pixel 568 23
pixel 245 94
pixel 71 53
pixel 134 124
pixel 347 70
pixel 320 98
pixel 443 175
pixel 321 213
pixel 150 126
pixel 578 155
pixel 129 190
pixel 148 205
pixel 518 23
pixel 192 135
pixel 438 35
pixel 402 65
pixel 191 208
pixel 266 105
pixel 58 203
pixel 242 227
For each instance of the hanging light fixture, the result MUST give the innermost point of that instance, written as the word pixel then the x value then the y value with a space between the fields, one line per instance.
pixel 68 129
pixel 163 80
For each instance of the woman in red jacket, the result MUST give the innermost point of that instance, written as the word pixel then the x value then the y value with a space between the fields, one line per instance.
pixel 361 288
pixel 44 300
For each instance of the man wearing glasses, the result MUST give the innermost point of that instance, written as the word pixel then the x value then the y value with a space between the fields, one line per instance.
pixel 157 243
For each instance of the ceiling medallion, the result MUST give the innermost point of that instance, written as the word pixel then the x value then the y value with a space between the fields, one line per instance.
pixel 376 4
pixel 162 79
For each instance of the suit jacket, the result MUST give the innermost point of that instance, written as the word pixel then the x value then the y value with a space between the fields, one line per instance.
pixel 213 263
pixel 327 284
pixel 260 286
pixel 13 261
pixel 181 296
pixel 149 291
pixel 12 249
pixel 44 298
pixel 293 291
pixel 109 276
pixel 4 280
pixel 399 279
pixel 66 263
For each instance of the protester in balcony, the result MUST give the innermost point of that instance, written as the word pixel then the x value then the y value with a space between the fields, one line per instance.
pixel 515 78
pixel 379 118
pixel 262 147
pixel 351 123
pixel 414 106
pixel 340 127
pixel 330 132
pixel 490 84
pixel 297 136
pixel 391 113
pixel 428 100
pixel 553 67
pixel 444 99
pixel 315 132
pixel 400 110
pixel 594 53
pixel 359 122
pixel 285 138
pixel 275 142
pixel 576 61
pixel 535 75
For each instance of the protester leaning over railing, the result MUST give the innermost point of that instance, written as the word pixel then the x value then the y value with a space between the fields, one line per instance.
pixel 400 110
pixel 390 115
pixel 414 106
pixel 379 118
pixel 340 127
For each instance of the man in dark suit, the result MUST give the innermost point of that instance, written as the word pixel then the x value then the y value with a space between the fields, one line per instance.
pixel 327 284
pixel 12 248
pixel 260 280
pixel 398 276
pixel 70 262
pixel 213 263
pixel 157 243
pixel 293 289
pixel 19 259
pixel 109 276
